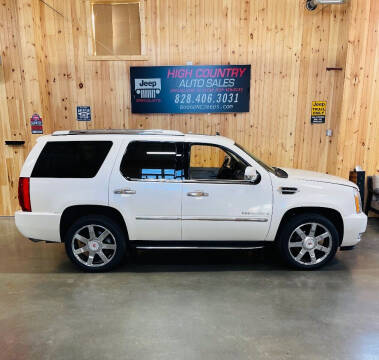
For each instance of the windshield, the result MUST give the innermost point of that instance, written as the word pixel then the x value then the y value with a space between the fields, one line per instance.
pixel 260 162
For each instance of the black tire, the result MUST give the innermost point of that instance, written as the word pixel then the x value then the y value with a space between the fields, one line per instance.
pixel 304 221
pixel 116 239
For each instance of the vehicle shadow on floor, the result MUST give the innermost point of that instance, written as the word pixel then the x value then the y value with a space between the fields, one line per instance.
pixel 52 259
pixel 201 260
pixel 210 260
pixel 156 261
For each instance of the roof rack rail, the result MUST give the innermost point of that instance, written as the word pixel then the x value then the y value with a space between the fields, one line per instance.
pixel 119 132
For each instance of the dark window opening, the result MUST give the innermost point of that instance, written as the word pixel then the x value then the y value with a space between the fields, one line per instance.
pixel 147 160
pixel 71 159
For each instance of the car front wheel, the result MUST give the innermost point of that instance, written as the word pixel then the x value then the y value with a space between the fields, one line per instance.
pixel 308 241
pixel 95 243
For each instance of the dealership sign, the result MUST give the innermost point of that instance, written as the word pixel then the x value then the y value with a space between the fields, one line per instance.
pixel 190 89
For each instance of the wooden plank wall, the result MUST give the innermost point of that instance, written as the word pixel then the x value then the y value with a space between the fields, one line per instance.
pixel 358 142
pixel 44 70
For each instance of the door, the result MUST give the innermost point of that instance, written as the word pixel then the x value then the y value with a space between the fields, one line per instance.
pixel 217 203
pixel 146 186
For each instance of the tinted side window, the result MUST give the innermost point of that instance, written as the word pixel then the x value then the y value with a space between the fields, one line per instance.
pixel 210 162
pixel 153 161
pixel 71 159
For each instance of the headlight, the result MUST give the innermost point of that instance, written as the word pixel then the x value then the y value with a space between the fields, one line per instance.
pixel 358 201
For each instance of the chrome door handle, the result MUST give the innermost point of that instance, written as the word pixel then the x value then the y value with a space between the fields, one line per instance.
pixel 197 194
pixel 124 191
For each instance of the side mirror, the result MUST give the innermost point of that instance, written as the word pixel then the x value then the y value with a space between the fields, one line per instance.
pixel 251 174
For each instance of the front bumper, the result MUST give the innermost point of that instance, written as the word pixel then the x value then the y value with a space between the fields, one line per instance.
pixel 354 226
pixel 39 226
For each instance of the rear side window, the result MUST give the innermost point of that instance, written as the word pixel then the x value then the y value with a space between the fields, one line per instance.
pixel 152 160
pixel 71 159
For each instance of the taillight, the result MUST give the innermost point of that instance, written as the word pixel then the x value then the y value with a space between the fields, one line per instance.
pixel 24 193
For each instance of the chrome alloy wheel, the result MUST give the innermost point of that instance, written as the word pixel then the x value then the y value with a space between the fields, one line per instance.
pixel 310 243
pixel 93 245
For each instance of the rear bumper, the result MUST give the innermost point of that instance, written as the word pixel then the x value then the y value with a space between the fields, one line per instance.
pixel 354 226
pixel 39 226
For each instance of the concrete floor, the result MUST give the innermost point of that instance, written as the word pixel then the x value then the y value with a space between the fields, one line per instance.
pixel 187 305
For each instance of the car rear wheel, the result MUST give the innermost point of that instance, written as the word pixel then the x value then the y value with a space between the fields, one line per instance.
pixel 308 241
pixel 95 243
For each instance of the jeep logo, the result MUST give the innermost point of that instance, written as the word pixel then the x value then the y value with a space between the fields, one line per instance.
pixel 147 88
pixel 144 83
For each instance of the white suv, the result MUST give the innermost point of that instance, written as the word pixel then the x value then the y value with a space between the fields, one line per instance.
pixel 103 192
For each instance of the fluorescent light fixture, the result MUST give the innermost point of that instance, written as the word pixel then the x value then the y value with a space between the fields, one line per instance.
pixel 160 152
pixel 312 4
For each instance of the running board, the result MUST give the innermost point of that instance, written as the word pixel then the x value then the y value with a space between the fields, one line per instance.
pixel 196 248
pixel 197 245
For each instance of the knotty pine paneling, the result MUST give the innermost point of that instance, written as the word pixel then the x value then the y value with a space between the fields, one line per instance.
pixel 44 70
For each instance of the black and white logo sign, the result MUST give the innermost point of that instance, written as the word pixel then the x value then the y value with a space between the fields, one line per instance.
pixel 83 113
pixel 147 88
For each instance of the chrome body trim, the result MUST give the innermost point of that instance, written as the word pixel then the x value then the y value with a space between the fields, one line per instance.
pixel 254 219
pixel 124 191
pixel 189 181
pixel 158 218
pixel 224 182
pixel 197 193
pixel 197 218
